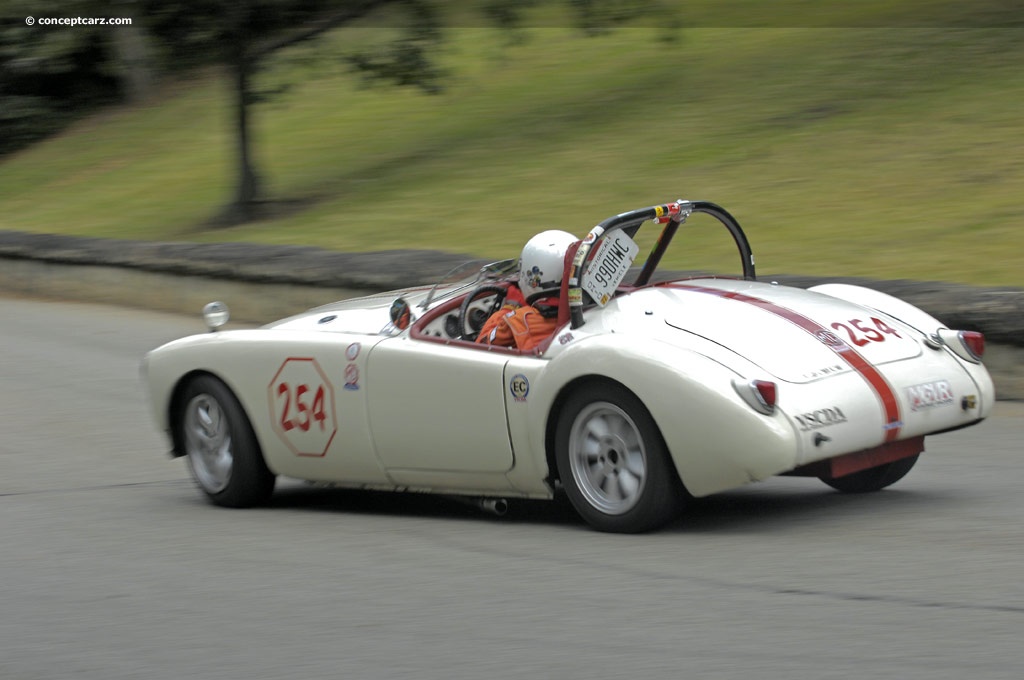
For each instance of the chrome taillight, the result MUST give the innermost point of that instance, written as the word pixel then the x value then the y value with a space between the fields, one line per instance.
pixel 767 391
pixel 760 394
pixel 969 345
pixel 974 342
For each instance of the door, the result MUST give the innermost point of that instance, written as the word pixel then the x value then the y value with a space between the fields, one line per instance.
pixel 436 407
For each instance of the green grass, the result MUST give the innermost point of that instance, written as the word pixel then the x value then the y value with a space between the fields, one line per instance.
pixel 887 153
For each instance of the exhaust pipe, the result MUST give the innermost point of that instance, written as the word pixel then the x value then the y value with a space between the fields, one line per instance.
pixel 495 506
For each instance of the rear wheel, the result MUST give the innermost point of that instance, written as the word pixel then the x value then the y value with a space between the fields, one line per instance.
pixel 873 479
pixel 220 446
pixel 613 463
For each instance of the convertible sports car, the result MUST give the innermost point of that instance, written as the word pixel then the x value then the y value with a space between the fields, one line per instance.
pixel 650 392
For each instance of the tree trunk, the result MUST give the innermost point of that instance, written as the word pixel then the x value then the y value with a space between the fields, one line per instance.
pixel 241 64
pixel 248 184
pixel 135 64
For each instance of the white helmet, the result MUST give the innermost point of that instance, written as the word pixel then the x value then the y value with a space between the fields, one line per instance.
pixel 542 264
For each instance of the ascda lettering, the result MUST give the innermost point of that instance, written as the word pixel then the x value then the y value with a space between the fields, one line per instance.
pixel 820 418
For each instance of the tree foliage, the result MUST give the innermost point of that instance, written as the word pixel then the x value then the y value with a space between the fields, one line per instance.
pixel 51 74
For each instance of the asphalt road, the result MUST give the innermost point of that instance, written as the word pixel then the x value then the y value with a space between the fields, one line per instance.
pixel 111 566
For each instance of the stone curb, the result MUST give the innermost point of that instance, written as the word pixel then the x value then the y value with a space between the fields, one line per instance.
pixel 262 283
pixel 248 262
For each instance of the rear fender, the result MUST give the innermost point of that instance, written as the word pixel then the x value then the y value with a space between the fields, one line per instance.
pixel 884 303
pixel 920 321
pixel 708 428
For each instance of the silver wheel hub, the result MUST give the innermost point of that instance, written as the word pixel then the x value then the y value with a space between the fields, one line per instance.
pixel 607 458
pixel 208 442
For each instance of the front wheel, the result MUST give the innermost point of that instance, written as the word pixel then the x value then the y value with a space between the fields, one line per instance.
pixel 221 449
pixel 613 463
pixel 873 479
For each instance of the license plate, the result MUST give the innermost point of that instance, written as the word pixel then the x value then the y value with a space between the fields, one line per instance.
pixel 611 262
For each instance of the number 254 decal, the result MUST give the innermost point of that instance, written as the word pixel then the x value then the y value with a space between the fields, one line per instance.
pixel 861 333
pixel 305 412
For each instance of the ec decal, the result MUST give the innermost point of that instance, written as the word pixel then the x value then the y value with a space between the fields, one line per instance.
pixel 519 386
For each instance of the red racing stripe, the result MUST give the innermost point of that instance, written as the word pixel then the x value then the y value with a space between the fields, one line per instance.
pixel 882 388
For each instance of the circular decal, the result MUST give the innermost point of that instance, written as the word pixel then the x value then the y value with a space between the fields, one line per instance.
pixel 351 377
pixel 830 339
pixel 519 386
pixel 352 351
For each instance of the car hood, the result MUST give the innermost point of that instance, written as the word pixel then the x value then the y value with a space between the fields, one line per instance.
pixel 368 315
pixel 792 333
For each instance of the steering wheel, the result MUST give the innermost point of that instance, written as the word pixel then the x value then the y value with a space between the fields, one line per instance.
pixel 471 321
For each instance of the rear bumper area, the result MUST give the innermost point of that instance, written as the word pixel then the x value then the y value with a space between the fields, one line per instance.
pixel 847 464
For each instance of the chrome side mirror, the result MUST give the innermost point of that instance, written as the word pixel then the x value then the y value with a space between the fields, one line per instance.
pixel 216 314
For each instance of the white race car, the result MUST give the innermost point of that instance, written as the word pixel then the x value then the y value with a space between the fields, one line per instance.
pixel 650 392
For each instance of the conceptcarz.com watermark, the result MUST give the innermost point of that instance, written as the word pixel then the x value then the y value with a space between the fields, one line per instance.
pixel 79 21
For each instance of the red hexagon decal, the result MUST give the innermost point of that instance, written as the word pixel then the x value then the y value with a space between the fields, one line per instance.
pixel 301 402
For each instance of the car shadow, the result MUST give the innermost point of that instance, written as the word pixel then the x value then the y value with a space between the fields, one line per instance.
pixel 740 510
pixel 765 504
pixel 316 498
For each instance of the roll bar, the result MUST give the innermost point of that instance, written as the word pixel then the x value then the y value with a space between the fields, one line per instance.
pixel 669 214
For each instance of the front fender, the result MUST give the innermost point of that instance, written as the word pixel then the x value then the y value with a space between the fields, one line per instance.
pixel 163 369
pixel 715 439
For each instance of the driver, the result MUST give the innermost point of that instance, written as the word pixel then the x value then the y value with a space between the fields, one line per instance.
pixel 530 313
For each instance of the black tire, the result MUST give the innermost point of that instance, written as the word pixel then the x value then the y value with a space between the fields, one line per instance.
pixel 873 479
pixel 220 446
pixel 613 462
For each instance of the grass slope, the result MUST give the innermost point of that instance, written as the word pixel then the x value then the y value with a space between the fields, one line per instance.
pixel 881 152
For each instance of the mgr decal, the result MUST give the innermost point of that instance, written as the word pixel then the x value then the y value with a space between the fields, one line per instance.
pixel 301 402
pixel 930 395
